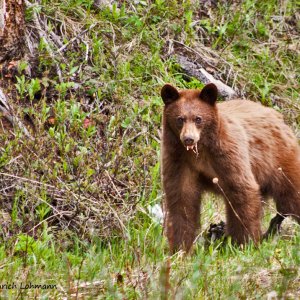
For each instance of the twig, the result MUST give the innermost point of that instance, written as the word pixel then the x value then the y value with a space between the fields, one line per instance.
pixel 113 184
pixel 28 180
pixel 216 181
pixel 75 38
pixel 7 111
pixel 47 219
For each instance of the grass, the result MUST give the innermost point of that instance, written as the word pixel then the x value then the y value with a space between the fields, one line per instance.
pixel 137 267
pixel 75 195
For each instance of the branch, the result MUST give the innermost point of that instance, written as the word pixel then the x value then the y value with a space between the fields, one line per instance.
pixel 195 70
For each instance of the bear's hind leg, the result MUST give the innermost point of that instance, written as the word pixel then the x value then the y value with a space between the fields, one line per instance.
pixel 244 216
pixel 288 205
pixel 242 196
pixel 287 194
pixel 274 226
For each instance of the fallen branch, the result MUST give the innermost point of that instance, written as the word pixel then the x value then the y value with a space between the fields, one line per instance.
pixel 193 69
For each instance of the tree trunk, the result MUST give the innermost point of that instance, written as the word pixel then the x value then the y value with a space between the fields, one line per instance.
pixel 12 29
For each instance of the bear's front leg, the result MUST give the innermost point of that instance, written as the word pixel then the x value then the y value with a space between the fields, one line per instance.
pixel 182 208
pixel 243 206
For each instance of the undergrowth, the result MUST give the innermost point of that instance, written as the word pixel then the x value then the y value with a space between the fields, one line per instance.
pixel 77 191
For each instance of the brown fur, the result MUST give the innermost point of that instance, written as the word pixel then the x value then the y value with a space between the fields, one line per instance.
pixel 243 144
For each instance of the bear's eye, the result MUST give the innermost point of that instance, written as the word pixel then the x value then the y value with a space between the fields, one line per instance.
pixel 180 121
pixel 198 120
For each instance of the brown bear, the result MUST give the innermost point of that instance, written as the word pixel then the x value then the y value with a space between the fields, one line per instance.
pixel 238 149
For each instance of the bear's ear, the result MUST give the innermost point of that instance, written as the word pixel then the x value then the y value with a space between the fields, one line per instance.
pixel 169 94
pixel 209 94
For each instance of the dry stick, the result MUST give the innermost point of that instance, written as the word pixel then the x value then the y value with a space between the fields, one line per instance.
pixel 7 188
pixel 86 51
pixel 7 111
pixel 210 52
pixel 282 172
pixel 13 160
pixel 272 208
pixel 54 209
pixel 47 219
pixel 29 180
pixel 54 37
pixel 113 184
pixel 29 44
pixel 134 137
pixel 216 181
pixel 75 38
pixel 51 206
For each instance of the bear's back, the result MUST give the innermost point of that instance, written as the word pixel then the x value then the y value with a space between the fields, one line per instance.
pixel 257 120
pixel 268 139
pixel 248 110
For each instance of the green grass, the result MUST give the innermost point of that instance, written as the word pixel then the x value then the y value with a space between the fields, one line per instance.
pixel 137 267
pixel 75 196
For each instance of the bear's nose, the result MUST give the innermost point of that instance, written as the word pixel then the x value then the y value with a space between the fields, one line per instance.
pixel 188 141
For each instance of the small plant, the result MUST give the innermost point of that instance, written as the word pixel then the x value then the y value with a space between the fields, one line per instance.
pixel 21 85
pixel 63 88
pixel 27 87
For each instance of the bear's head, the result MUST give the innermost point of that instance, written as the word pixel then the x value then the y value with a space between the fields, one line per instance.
pixel 189 112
